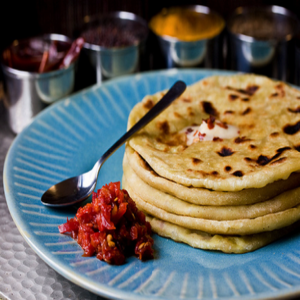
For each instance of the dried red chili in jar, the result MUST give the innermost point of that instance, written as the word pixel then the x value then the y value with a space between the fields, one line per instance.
pixel 111 227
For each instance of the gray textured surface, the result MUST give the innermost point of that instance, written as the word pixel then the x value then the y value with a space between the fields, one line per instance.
pixel 23 275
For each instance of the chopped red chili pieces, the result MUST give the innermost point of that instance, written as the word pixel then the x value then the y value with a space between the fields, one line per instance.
pixel 111 227
pixel 210 122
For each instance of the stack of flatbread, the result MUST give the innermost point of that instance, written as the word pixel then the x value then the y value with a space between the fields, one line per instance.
pixel 233 194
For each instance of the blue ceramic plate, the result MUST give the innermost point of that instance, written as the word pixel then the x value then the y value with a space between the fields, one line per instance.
pixel 65 140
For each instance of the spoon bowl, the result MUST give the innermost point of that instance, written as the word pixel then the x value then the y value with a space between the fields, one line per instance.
pixel 79 188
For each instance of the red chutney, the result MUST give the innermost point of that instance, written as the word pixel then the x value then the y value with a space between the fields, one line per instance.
pixel 111 227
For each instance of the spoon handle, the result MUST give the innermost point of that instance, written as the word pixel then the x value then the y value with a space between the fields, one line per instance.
pixel 174 92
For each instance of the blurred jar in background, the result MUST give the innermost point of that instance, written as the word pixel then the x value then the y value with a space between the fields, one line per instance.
pixel 189 36
pixel 261 40
pixel 114 44
pixel 37 71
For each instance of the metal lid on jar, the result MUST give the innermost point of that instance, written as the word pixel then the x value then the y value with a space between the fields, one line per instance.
pixel 263 23
pixel 188 23
pixel 113 31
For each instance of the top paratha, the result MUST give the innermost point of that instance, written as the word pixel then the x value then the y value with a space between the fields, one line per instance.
pixel 267 149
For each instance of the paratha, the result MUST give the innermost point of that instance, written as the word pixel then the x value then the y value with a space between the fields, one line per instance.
pixel 266 150
pixel 268 222
pixel 224 243
pixel 202 196
pixel 177 206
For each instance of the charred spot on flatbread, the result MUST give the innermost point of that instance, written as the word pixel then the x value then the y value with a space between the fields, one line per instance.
pixel 217 139
pixel 274 95
pixel 200 173
pixel 187 100
pixel 280 88
pixel 294 110
pixel 233 97
pixel 264 160
pixel 250 89
pixel 238 173
pixel 248 159
pixel 225 152
pixel 246 111
pixel 228 112
pixel 280 150
pixel 242 139
pixel 209 108
pixel 176 139
pixel 164 127
pixel 292 129
pixel 227 169
pixel 190 112
pixel 148 104
pixel 278 161
pixel 196 161
pixel 177 115
pixel 252 147
pixel 274 134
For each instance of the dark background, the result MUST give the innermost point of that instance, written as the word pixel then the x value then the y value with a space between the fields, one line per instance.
pixel 20 19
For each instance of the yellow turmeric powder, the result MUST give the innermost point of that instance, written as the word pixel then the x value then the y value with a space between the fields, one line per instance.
pixel 186 24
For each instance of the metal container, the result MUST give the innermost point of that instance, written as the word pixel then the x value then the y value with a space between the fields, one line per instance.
pixel 110 62
pixel 261 41
pixel 27 93
pixel 207 53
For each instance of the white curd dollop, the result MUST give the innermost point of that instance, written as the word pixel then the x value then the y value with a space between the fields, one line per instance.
pixel 210 130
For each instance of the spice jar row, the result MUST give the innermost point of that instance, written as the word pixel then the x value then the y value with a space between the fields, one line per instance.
pixel 258 39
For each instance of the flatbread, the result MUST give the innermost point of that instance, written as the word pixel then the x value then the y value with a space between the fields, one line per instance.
pixel 227 244
pixel 264 223
pixel 176 206
pixel 266 113
pixel 202 196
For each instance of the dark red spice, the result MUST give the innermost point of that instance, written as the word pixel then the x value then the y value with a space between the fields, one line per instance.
pixel 111 227
pixel 189 130
pixel 210 122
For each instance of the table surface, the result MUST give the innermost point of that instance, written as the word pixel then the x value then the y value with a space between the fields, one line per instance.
pixel 23 275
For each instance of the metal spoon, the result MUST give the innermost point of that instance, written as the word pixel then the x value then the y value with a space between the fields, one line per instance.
pixel 79 188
